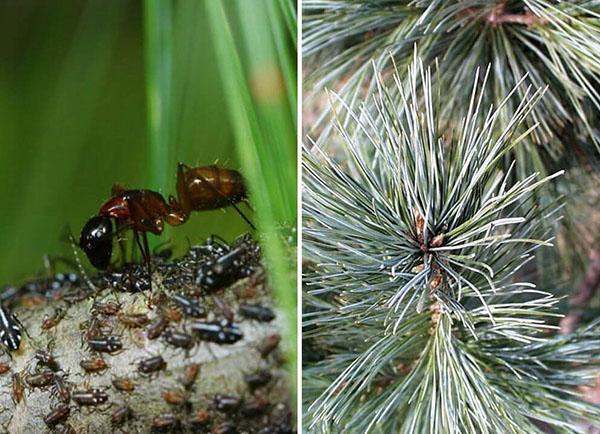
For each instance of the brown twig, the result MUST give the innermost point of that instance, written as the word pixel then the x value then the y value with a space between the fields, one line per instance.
pixel 498 16
pixel 584 293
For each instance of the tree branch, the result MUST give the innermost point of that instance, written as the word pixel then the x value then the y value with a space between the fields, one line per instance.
pixel 223 367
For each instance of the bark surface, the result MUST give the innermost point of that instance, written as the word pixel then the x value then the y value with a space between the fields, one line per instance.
pixel 223 367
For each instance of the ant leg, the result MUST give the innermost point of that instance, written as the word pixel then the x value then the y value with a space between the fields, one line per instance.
pixel 183 195
pixel 147 254
pixel 122 247
pixel 246 219
pixel 139 244
pixel 216 190
pixel 136 237
pixel 148 261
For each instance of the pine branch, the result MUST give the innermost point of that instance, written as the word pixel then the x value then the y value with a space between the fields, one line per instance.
pixel 416 235
pixel 555 43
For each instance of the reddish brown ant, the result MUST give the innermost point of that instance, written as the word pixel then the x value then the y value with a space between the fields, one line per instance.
pixel 143 211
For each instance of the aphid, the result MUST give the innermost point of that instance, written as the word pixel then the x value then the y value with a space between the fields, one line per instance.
pixel 190 374
pixel 109 308
pixel 58 280
pixel 214 246
pixel 257 312
pixel 123 384
pixel 92 329
pixel 75 295
pixel 32 300
pixel 4 368
pixel 18 388
pixel 200 420
pixel 165 422
pixel 277 428
pixel 226 403
pixel 50 322
pixel 258 379
pixel 152 364
pixel 89 397
pixel 129 278
pixel 226 310
pixel 174 397
pixel 179 339
pixel 255 406
pixel 268 344
pixel 9 293
pixel 138 338
pixel 45 358
pixel 61 389
pixel 58 415
pixel 220 332
pixel 173 315
pixel 10 333
pixel 224 428
pixel 133 320
pixel 106 344
pixel 93 365
pixel 157 326
pixel 120 415
pixel 67 429
pixel 236 263
pixel 40 380
pixel 189 306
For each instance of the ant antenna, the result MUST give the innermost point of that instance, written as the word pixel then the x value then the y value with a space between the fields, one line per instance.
pixel 79 265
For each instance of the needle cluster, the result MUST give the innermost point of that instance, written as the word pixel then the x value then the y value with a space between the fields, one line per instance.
pixel 417 317
pixel 557 43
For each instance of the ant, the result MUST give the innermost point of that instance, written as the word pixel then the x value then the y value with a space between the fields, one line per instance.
pixel 143 211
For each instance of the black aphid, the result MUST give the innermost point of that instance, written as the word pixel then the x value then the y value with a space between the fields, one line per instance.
pixel 10 333
pixel 220 332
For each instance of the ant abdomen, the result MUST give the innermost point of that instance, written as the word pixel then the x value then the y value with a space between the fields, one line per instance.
pixel 209 187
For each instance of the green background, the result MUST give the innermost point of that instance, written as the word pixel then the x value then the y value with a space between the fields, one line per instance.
pixel 73 121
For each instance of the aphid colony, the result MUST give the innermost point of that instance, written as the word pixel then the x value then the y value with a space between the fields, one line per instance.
pixel 179 319
pixel 211 266
pixel 44 372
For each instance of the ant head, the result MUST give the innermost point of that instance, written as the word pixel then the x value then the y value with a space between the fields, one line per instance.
pixel 96 241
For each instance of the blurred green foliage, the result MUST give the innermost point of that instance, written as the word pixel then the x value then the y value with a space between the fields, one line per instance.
pixel 73 120
pixel 258 68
